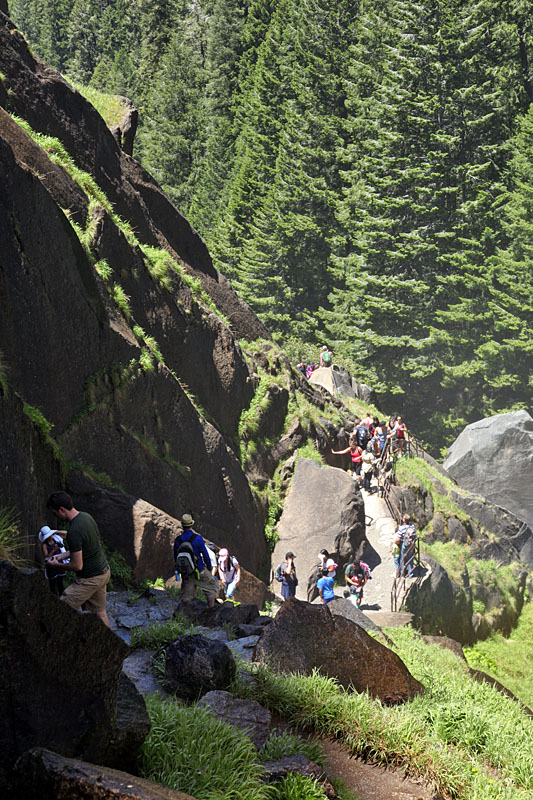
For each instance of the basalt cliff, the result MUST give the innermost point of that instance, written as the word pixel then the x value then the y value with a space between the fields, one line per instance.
pixel 119 341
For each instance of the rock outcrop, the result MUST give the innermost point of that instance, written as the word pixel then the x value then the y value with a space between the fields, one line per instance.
pixel 61 680
pixel 338 382
pixel 323 509
pixel 195 665
pixel 440 606
pixel 304 637
pixel 136 371
pixel 49 776
pixel 494 458
pixel 246 715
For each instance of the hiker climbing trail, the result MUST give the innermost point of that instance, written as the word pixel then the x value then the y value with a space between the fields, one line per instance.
pixel 378 555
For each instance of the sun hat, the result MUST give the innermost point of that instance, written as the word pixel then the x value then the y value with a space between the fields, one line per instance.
pixel 223 553
pixel 331 563
pixel 45 533
pixel 187 521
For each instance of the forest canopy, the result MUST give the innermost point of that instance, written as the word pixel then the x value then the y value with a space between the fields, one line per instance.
pixel 361 171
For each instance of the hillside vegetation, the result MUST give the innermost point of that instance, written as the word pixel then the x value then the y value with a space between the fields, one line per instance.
pixel 362 172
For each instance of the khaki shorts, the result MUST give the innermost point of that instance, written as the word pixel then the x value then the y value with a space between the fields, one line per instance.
pixel 88 593
pixel 205 582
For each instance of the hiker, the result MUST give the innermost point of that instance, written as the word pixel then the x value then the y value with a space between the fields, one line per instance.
pixel 310 369
pixel 326 582
pixel 85 556
pixel 356 454
pixel 286 575
pixel 401 435
pixel 406 539
pixel 312 591
pixel 369 461
pixel 356 575
pixel 326 357
pixel 229 572
pixel 51 545
pixel 380 435
pixel 193 563
pixel 302 367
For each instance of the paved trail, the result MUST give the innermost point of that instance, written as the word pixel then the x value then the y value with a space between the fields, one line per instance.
pixel 380 532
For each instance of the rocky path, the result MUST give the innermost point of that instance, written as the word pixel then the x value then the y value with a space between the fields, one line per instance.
pixel 380 532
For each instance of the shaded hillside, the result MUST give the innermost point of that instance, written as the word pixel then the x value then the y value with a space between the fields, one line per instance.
pixel 119 340
pixel 111 331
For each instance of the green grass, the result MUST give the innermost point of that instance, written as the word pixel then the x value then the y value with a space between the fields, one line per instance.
pixel 10 538
pixel 191 751
pixel 109 106
pixel 279 745
pixel 155 637
pixel 297 787
pixel 465 738
pixel 509 660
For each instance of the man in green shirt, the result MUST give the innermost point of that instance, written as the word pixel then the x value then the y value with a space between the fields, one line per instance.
pixel 87 559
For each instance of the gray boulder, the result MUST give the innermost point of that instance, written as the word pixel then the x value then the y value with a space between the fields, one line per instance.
pixel 305 637
pixel 247 715
pixel 61 680
pixel 494 458
pixel 342 607
pixel 49 776
pixel 196 665
pixel 440 606
pixel 323 509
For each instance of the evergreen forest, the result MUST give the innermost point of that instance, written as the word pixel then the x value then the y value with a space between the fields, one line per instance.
pixel 361 171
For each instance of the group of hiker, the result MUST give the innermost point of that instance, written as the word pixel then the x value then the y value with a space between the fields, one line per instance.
pixel 356 574
pixel 367 444
pixel 325 360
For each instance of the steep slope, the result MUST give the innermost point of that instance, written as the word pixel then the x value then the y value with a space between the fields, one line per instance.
pixel 114 338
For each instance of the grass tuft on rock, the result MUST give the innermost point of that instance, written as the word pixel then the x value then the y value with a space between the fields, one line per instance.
pixel 191 751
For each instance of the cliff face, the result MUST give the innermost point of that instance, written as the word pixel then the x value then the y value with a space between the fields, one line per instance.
pixel 114 323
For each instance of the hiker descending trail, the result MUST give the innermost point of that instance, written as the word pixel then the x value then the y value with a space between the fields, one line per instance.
pixel 380 533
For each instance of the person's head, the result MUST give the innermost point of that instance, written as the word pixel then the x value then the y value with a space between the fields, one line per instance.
pixel 356 562
pixel 187 521
pixel 60 504
pixel 45 533
pixel 289 556
pixel 223 553
pixel 324 572
pixel 369 447
pixel 406 518
pixel 324 348
pixel 330 565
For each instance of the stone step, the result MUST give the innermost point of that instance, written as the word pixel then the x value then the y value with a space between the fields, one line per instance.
pixel 389 619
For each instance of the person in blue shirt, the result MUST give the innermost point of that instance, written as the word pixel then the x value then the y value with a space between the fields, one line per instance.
pixel 325 583
pixel 202 576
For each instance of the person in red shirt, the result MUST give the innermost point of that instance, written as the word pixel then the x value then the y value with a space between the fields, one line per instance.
pixel 356 454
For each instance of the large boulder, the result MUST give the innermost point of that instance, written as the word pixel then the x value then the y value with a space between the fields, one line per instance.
pixel 248 716
pixel 60 679
pixel 338 381
pixel 196 665
pixel 49 776
pixel 440 606
pixel 494 458
pixel 323 509
pixel 304 637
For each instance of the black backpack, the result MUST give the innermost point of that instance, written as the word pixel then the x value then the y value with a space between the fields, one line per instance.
pixel 186 559
pixel 363 435
pixel 278 573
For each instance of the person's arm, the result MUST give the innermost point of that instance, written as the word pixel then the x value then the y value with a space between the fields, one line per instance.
pixel 340 452
pixel 321 595
pixel 238 568
pixel 205 555
pixel 75 564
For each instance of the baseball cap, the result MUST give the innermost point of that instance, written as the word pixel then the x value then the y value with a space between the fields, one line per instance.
pixel 290 555
pixel 331 563
pixel 223 553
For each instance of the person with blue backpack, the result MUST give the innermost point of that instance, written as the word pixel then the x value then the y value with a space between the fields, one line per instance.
pixel 193 564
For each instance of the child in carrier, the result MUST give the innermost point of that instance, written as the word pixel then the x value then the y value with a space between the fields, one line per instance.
pixel 356 575
pixel 52 545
